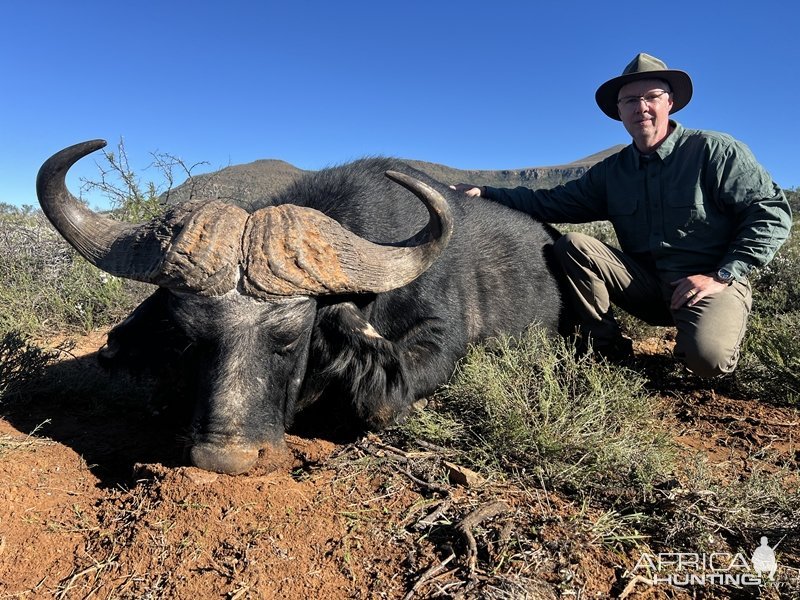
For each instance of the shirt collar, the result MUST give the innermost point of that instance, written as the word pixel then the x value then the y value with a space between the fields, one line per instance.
pixel 668 145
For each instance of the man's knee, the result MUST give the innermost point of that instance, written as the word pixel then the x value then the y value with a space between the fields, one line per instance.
pixel 572 244
pixel 710 334
pixel 707 359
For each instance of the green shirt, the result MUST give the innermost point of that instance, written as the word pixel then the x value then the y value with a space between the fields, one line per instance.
pixel 699 203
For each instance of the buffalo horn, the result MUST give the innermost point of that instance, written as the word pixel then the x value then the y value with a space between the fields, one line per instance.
pixel 295 250
pixel 198 246
pixel 194 247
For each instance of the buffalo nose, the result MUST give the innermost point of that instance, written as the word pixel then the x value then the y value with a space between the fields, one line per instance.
pixel 229 459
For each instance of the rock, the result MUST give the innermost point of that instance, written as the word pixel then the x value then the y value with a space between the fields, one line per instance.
pixel 463 476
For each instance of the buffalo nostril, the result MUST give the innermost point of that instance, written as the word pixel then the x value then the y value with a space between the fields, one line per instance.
pixel 231 460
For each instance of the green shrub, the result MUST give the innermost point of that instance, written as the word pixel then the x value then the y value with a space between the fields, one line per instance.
pixel 89 297
pixel 46 286
pixel 770 363
pixel 530 407
pixel 793 196
pixel 776 287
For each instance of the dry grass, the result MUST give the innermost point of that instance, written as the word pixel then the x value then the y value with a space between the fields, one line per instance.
pixel 532 409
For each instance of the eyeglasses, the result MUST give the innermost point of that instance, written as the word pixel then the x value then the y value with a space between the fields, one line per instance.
pixel 650 98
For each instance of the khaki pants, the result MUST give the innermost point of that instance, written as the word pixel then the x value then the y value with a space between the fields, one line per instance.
pixel 708 334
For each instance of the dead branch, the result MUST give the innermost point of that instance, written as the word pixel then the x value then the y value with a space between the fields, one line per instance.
pixel 431 518
pixel 427 485
pixel 432 572
pixel 632 585
pixel 472 520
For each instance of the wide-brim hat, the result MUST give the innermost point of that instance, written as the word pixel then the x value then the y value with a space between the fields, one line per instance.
pixel 645 66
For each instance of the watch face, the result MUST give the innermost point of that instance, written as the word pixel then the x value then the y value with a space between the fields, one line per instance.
pixel 724 275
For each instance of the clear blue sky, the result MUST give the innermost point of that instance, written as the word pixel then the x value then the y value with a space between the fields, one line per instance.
pixel 484 85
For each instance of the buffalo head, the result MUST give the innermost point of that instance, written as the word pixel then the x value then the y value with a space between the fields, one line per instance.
pixel 242 288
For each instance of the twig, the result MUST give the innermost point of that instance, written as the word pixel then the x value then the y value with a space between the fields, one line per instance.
pixel 434 447
pixel 709 521
pixel 387 448
pixel 86 571
pixel 632 584
pixel 240 592
pixel 433 487
pixel 473 519
pixel 416 509
pixel 434 515
pixel 432 572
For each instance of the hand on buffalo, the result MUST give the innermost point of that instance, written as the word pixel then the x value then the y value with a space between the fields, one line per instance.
pixel 473 191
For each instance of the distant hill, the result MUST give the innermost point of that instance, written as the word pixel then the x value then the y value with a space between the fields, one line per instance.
pixel 532 177
pixel 250 183
pixel 240 184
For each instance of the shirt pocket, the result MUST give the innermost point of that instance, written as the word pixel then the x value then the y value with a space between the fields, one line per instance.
pixel 685 213
pixel 630 223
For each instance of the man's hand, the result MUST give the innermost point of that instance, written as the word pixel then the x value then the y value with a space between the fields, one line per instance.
pixel 473 191
pixel 690 290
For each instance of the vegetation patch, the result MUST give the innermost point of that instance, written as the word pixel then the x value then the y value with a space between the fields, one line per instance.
pixel 531 408
pixel 46 286
pixel 20 362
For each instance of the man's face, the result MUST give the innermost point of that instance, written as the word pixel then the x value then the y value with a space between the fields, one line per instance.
pixel 646 120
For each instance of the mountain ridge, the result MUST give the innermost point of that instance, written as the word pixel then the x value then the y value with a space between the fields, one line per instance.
pixel 248 184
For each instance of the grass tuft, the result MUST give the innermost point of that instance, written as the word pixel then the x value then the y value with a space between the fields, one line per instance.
pixel 531 408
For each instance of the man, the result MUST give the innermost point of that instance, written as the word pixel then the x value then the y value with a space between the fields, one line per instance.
pixel 693 211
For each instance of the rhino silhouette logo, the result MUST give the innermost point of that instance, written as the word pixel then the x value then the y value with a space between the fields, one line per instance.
pixel 764 559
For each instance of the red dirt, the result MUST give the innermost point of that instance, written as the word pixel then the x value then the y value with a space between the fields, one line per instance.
pixel 95 503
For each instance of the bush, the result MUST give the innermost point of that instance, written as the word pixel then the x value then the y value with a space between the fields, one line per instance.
pixel 770 364
pixel 45 285
pixel 531 408
pixel 793 196
pixel 706 510
pixel 131 200
pixel 20 362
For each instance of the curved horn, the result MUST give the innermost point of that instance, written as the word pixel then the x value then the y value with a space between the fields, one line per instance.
pixel 166 251
pixel 314 254
pixel 99 239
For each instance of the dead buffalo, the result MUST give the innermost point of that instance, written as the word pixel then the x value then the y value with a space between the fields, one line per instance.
pixel 344 284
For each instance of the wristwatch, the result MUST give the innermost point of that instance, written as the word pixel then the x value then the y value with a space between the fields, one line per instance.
pixel 724 276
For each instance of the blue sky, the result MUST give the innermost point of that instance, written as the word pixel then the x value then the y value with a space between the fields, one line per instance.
pixel 484 85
